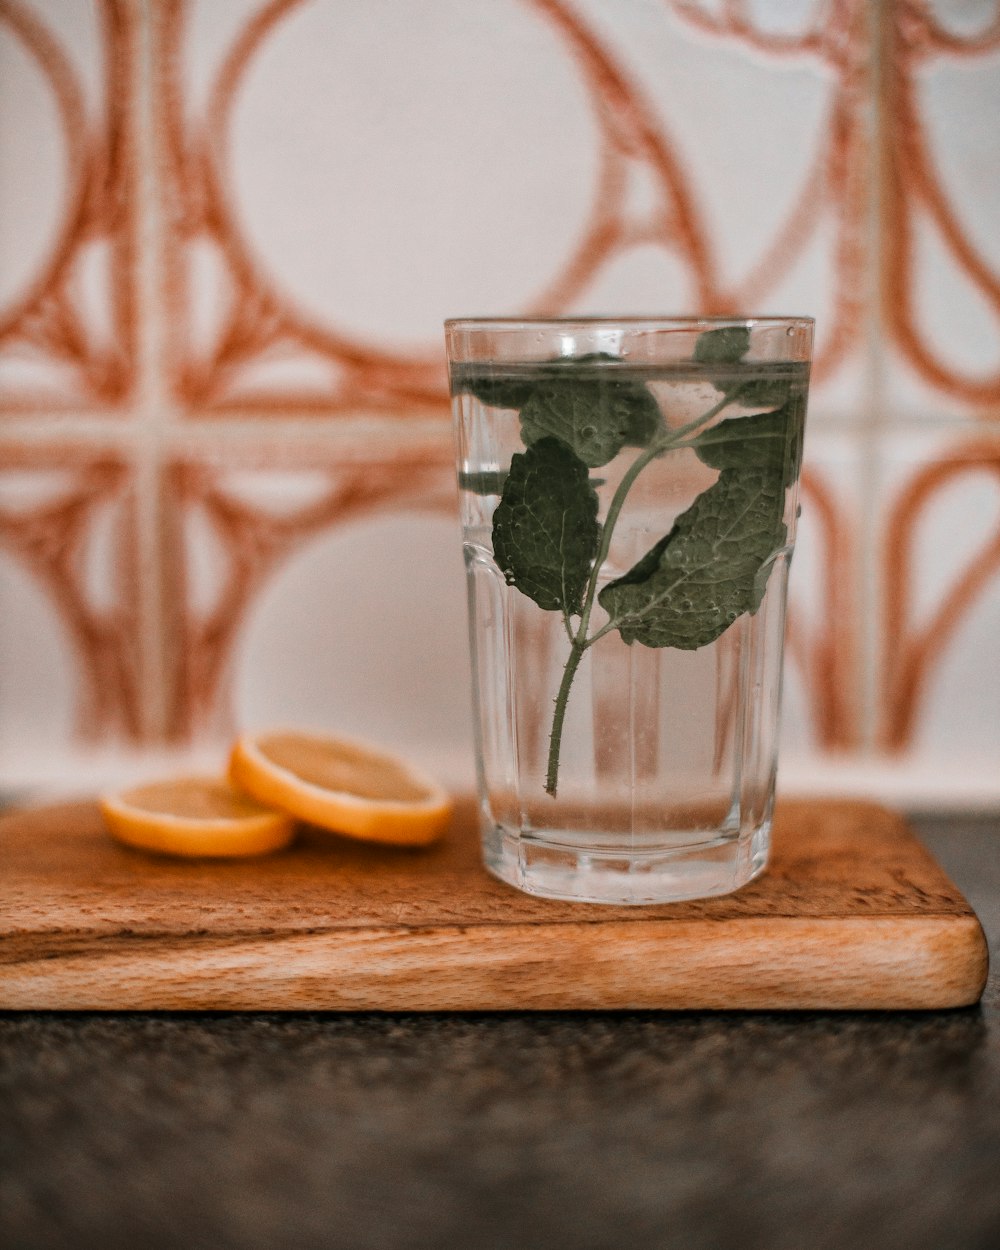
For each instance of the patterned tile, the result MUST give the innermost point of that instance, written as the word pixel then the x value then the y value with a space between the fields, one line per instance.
pixel 940 611
pixel 940 207
pixel 68 317
pixel 823 704
pixel 570 179
pixel 319 585
pixel 71 661
pixel 755 120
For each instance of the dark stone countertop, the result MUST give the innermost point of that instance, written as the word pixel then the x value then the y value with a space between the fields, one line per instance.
pixel 764 1131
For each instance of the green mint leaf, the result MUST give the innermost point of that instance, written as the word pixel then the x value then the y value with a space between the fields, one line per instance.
pixel 723 346
pixel 545 529
pixel 493 391
pixel 580 415
pixel 595 417
pixel 765 393
pixel 771 441
pixel 645 417
pixel 710 569
pixel 596 414
pixel 485 482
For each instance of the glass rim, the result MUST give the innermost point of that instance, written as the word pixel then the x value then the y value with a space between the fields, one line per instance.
pixel 630 320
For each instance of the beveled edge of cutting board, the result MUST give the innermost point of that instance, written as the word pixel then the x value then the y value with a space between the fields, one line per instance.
pixel 915 964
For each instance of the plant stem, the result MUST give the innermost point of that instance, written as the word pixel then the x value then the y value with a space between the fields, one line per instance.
pixel 580 642
pixel 555 737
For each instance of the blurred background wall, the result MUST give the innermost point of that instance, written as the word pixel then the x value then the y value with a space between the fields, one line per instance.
pixel 229 233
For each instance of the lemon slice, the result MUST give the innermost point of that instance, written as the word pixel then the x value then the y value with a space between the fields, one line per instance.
pixel 195 816
pixel 343 785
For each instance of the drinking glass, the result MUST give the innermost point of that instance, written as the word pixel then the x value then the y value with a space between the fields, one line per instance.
pixel 629 494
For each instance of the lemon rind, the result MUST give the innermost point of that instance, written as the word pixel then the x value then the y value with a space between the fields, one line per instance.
pixel 414 822
pixel 218 838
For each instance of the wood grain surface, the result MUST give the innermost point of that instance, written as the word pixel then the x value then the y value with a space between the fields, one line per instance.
pixel 852 913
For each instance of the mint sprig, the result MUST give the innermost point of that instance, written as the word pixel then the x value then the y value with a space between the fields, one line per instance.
pixel 713 565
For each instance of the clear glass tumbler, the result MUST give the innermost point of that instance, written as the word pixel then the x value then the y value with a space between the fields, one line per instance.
pixel 629 492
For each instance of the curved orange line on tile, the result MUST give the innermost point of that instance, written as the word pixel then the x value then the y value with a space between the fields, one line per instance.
pixel 828 658
pixel 112 209
pixel 733 21
pixel 48 541
pixel 925 34
pixel 913 184
pixel 624 111
pixel 912 652
pixel 98 205
pixel 44 48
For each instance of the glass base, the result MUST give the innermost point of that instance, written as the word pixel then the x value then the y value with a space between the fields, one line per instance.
pixel 699 869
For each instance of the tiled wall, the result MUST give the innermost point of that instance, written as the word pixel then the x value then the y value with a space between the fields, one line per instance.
pixel 230 230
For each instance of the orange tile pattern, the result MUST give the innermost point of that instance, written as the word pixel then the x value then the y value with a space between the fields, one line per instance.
pixel 914 192
pixel 46 321
pixel 255 541
pixel 914 648
pixel 50 540
pixel 203 364
pixel 827 657
pixel 261 320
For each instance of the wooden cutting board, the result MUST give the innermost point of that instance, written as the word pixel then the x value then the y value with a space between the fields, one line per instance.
pixel 852 913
